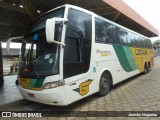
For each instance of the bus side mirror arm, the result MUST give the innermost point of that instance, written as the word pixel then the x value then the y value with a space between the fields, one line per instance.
pixel 50 29
pixel 9 42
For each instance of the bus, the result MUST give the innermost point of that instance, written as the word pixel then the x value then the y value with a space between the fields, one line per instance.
pixel 70 53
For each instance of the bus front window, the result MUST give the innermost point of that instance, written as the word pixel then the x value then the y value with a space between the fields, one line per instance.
pixel 38 58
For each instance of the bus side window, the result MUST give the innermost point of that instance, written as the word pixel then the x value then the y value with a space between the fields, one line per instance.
pixel 136 40
pixel 148 43
pixel 100 31
pixel 109 35
pixel 130 38
pixel 120 35
pixel 104 31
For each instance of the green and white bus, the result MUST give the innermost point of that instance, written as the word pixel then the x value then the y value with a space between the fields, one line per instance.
pixel 70 53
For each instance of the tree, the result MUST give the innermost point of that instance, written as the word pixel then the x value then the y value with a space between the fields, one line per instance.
pixel 156 44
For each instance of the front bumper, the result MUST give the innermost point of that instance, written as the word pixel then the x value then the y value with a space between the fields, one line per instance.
pixel 53 96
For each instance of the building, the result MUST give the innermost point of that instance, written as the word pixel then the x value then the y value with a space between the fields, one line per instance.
pixel 9 60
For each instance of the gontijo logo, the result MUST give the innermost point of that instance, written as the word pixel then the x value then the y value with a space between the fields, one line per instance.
pixel 140 52
pixel 83 87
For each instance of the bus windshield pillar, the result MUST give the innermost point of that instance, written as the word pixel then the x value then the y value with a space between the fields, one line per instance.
pixel 1 67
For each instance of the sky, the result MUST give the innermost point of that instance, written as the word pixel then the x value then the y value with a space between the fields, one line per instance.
pixel 148 9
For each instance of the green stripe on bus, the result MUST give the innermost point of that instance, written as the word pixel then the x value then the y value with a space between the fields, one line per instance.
pixel 122 57
pixel 36 83
pixel 39 83
pixel 130 57
pixel 32 83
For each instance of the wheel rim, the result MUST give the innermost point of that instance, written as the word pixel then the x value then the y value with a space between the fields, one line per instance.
pixel 104 85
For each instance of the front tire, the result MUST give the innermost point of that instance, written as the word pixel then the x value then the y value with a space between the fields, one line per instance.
pixel 16 82
pixel 104 84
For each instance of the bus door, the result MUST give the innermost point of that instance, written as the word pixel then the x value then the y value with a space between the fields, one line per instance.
pixel 77 55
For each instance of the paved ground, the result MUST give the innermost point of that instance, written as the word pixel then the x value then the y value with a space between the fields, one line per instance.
pixel 140 93
pixel 9 93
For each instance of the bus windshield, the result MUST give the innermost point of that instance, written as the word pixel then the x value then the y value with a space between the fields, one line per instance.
pixel 41 21
pixel 38 58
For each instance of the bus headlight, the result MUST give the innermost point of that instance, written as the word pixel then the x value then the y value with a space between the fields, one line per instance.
pixel 55 84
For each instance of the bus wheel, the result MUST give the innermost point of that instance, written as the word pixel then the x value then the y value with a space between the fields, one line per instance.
pixel 16 82
pixel 149 67
pixel 146 69
pixel 104 85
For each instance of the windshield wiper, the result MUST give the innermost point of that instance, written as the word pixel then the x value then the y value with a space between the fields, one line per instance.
pixel 30 59
pixel 31 53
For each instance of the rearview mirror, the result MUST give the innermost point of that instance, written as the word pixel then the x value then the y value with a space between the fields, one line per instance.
pixel 9 42
pixel 51 29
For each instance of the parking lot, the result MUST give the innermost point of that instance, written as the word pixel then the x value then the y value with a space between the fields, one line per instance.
pixel 140 93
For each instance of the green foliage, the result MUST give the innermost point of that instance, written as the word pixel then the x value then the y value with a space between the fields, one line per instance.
pixel 157 42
